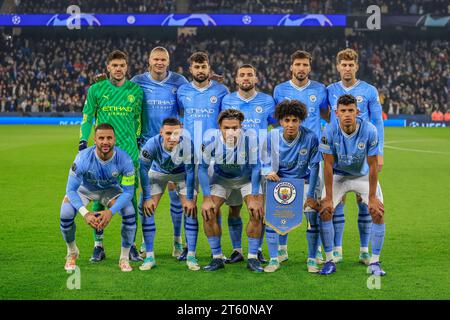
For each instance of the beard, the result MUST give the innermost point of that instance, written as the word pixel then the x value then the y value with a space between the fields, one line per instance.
pixel 246 88
pixel 301 77
pixel 201 78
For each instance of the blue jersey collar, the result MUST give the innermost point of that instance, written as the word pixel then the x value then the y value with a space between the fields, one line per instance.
pixel 299 88
pixel 102 161
pixel 202 89
pixel 349 88
pixel 244 99
pixel 149 76
pixel 293 142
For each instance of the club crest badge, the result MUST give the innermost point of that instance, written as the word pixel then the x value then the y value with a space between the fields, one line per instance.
pixel 361 145
pixel 213 99
pixel 285 193
pixel 303 152
pixel 258 109
pixel 359 99
pixel 312 98
pixel 131 98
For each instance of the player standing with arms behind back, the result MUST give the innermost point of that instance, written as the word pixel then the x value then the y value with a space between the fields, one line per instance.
pixel 160 88
pixel 370 109
pixel 116 101
pixel 314 96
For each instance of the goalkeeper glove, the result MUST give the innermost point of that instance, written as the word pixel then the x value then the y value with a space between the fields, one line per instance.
pixel 140 142
pixel 82 145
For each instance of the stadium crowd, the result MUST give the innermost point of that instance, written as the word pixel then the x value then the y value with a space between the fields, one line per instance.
pixel 315 6
pixel 96 6
pixel 413 7
pixel 411 76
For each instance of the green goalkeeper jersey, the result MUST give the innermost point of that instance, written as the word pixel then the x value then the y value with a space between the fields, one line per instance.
pixel 118 106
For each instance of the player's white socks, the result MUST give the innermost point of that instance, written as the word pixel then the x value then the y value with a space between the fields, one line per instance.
pixel 364 249
pixel 218 256
pixel 252 256
pixel 124 253
pixel 329 255
pixel 98 244
pixel 177 239
pixel 238 250
pixel 150 254
pixel 284 247
pixel 374 258
pixel 72 247
pixel 338 249
pixel 191 254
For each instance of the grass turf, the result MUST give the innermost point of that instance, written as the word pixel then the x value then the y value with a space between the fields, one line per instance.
pixel 34 165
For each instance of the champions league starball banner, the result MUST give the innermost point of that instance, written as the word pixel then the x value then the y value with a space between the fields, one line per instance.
pixel 284 204
pixel 173 20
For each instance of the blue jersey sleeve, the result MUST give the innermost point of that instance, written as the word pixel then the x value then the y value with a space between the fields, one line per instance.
pixel 376 117
pixel 73 183
pixel 128 179
pixel 146 158
pixel 276 95
pixel 372 143
pixel 326 141
pixel 271 112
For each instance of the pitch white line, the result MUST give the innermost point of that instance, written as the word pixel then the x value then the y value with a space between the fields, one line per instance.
pixel 417 150
pixel 421 140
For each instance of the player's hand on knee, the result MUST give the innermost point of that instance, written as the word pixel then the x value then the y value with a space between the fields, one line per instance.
pixel 104 218
pixel 376 207
pixel 272 176
pixel 208 208
pixel 326 209
pixel 190 208
pixel 255 209
pixel 91 220
pixel 311 203
pixel 148 207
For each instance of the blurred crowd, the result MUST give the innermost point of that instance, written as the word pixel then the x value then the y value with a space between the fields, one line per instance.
pixel 53 74
pixel 414 7
pixel 96 6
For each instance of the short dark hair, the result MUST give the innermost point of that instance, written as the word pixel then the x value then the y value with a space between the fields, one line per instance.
pixel 288 108
pixel 229 114
pixel 246 65
pixel 171 122
pixel 117 54
pixel 104 126
pixel 300 54
pixel 346 100
pixel 199 57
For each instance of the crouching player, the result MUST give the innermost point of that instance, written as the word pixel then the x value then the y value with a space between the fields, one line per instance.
pixel 166 157
pixel 350 151
pixel 296 156
pixel 95 176
pixel 236 167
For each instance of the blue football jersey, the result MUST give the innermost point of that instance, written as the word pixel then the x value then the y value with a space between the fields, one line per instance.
pixel 155 157
pixel 367 101
pixel 160 101
pixel 91 172
pixel 201 108
pixel 350 152
pixel 292 159
pixel 258 110
pixel 238 162
pixel 313 95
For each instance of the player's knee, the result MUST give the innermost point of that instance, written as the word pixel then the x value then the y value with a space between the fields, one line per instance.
pixel 111 203
pixel 377 219
pixel 326 215
pixel 343 199
pixel 66 200
pixel 67 213
pixel 358 198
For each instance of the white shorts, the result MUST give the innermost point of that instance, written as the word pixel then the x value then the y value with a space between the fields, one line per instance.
pixel 231 189
pixel 102 196
pixel 159 181
pixel 358 185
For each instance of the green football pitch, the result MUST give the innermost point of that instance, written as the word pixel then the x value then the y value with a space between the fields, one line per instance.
pixel 34 165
